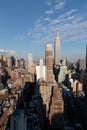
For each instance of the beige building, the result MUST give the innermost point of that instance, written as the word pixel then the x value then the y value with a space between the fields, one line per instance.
pixel 57 50
pixel 49 63
pixel 46 92
pixel 9 61
pixel 56 108
pixel 30 61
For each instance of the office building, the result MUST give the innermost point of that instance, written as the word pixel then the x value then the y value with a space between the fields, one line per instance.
pixel 30 61
pixel 82 64
pixel 62 73
pixel 16 61
pixel 46 92
pixel 57 50
pixel 56 109
pixel 49 63
pixel 41 71
pixel 9 61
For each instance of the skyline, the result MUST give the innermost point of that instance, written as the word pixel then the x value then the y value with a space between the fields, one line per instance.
pixel 27 26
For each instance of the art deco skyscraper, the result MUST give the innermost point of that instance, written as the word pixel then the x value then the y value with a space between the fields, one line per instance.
pixel 57 50
pixel 49 63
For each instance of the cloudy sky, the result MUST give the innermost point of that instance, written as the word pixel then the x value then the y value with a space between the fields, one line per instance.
pixel 26 26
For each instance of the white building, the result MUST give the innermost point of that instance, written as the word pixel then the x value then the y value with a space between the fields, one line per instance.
pixel 62 73
pixel 41 71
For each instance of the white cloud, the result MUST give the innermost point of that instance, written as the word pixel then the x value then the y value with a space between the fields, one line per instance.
pixel 71 27
pixel 47 19
pixel 49 12
pixel 1 50
pixel 12 52
pixel 59 5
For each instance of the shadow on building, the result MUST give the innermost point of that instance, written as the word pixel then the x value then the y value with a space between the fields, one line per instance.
pixel 56 71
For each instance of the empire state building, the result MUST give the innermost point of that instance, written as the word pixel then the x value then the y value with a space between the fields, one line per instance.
pixel 57 50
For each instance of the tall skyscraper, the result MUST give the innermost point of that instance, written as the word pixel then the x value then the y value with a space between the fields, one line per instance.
pixel 57 50
pixel 9 61
pixel 30 60
pixel 49 63
pixel 16 61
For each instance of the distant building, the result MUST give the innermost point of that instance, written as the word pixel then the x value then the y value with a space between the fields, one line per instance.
pixel 14 75
pixel 64 62
pixel 30 61
pixel 57 50
pixel 10 61
pixel 82 64
pixel 49 63
pixel 22 63
pixel 77 86
pixel 62 73
pixel 16 61
pixel 41 71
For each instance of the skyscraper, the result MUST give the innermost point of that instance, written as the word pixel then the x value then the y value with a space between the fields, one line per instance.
pixel 41 71
pixel 16 61
pixel 49 63
pixel 57 50
pixel 30 61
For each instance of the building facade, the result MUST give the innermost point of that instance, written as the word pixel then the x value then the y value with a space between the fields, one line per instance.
pixel 49 63
pixel 57 50
pixel 30 61
pixel 41 71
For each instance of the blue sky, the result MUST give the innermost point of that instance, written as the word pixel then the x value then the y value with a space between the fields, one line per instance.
pixel 26 26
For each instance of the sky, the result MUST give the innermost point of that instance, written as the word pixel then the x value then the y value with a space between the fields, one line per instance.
pixel 26 26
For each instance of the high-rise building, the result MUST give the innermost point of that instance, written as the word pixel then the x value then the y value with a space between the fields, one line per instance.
pixel 56 109
pixel 62 73
pixel 41 71
pixel 82 64
pixel 49 63
pixel 30 60
pixel 46 92
pixel 16 61
pixel 9 61
pixel 57 50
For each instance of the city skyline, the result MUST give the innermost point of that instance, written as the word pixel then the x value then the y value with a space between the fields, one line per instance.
pixel 27 26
